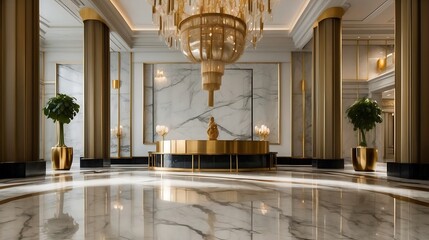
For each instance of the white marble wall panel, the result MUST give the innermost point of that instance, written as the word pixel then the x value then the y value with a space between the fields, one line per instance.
pixel 179 103
pixel 70 82
pixel 49 134
pixel 125 102
pixel 266 96
pixel 113 104
pixel 124 113
pixel 297 104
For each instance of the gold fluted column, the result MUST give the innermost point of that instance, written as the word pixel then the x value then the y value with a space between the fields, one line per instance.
pixel 411 90
pixel 19 89
pixel 327 92
pixel 96 90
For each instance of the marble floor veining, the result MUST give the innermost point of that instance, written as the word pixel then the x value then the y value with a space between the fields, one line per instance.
pixel 130 202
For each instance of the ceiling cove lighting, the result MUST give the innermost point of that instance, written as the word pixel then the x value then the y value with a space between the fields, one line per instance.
pixel 211 32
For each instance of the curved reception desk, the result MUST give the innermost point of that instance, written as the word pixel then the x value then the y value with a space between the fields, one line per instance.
pixel 212 155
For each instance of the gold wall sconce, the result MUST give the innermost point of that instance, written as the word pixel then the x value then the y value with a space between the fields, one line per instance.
pixel 381 64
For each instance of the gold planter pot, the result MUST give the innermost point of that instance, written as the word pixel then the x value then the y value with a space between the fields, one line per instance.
pixel 62 158
pixel 364 159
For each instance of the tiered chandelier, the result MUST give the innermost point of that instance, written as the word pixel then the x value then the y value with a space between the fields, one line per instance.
pixel 213 32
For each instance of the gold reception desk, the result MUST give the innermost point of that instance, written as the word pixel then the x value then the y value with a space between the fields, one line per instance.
pixel 212 155
pixel 212 147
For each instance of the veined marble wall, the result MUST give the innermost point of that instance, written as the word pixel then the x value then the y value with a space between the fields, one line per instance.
pixel 248 97
pixel 70 81
pixel 123 60
pixel 301 71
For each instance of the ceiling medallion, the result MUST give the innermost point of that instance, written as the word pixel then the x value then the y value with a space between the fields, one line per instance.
pixel 211 32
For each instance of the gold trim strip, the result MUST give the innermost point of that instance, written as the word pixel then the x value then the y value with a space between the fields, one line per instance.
pixel 212 147
pixel 333 12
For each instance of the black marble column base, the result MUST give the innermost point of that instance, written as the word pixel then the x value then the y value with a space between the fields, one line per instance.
pixel 294 161
pixel 328 163
pixel 408 170
pixel 94 162
pixel 22 169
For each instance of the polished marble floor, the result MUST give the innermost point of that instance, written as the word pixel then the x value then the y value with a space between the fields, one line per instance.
pixel 130 202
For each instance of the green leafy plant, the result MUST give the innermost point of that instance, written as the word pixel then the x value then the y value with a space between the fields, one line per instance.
pixel 61 108
pixel 364 113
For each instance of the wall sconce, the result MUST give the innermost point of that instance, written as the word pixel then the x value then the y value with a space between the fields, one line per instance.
pixel 381 64
pixel 160 77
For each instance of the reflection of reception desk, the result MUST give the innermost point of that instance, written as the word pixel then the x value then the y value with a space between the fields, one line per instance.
pixel 212 155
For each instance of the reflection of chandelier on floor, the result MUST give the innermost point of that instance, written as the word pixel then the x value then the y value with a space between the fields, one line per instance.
pixel 212 32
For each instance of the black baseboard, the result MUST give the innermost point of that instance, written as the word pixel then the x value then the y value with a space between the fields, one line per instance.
pixel 22 169
pixel 328 163
pixel 408 170
pixel 294 161
pixel 129 160
pixel 94 162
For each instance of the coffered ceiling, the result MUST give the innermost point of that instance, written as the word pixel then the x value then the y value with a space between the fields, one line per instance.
pixel 131 22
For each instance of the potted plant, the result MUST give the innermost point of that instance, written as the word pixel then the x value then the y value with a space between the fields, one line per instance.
pixel 61 109
pixel 364 113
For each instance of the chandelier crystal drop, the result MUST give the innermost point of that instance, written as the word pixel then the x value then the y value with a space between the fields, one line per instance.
pixel 211 32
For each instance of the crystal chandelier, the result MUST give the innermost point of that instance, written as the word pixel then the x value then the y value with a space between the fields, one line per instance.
pixel 211 32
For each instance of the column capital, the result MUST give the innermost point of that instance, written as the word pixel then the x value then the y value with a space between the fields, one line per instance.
pixel 333 12
pixel 87 13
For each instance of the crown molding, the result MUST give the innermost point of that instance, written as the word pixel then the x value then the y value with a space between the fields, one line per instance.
pixel 303 30
pixel 382 82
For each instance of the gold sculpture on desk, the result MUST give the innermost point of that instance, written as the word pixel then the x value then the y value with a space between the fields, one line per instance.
pixel 212 131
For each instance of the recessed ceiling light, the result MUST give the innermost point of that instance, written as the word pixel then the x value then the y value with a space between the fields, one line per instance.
pixel 358 37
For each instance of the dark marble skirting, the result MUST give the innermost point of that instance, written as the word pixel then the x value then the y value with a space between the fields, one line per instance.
pixel 294 161
pixel 94 162
pixel 22 169
pixel 408 170
pixel 328 163
pixel 212 162
pixel 129 160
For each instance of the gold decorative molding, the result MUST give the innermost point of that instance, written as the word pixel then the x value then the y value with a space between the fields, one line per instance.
pixel 90 14
pixel 333 12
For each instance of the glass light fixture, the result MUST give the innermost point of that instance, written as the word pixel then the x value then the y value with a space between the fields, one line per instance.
pixel 211 32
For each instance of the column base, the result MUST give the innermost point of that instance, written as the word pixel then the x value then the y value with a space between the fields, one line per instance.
pixel 94 162
pixel 22 169
pixel 328 163
pixel 408 170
